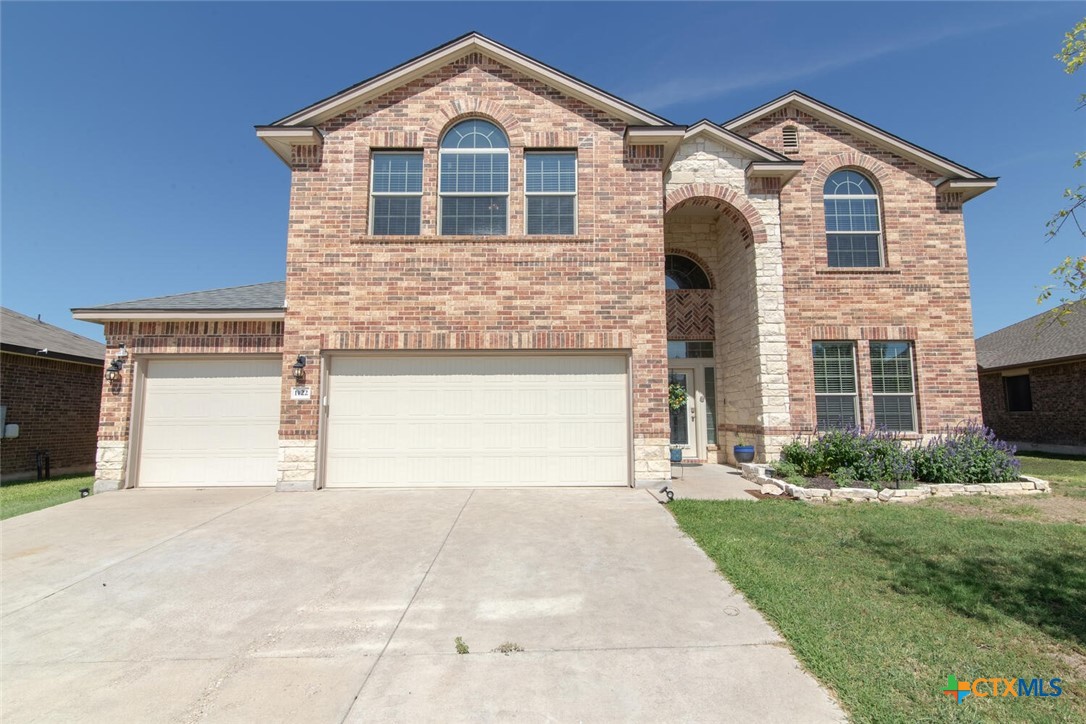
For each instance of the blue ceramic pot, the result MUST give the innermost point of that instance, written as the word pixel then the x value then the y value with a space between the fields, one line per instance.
pixel 743 453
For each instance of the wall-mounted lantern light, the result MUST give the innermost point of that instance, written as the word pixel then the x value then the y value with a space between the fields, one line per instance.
pixel 298 370
pixel 114 369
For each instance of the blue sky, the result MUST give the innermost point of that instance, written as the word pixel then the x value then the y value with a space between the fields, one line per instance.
pixel 130 168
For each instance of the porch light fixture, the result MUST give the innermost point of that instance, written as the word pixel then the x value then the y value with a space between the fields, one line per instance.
pixel 114 369
pixel 298 370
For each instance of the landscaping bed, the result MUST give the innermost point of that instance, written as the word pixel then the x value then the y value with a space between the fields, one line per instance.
pixel 881 466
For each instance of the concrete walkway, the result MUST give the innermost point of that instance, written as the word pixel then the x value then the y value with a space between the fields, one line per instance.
pixel 706 481
pixel 248 605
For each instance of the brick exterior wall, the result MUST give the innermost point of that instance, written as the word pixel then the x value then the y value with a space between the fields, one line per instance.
pixel 601 289
pixel 142 339
pixel 763 244
pixel 921 295
pixel 1058 417
pixel 55 404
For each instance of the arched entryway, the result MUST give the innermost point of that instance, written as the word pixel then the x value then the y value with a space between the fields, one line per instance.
pixel 712 323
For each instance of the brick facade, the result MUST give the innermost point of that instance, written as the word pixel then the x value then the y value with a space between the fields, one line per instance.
pixel 921 294
pixel 1058 418
pixel 149 339
pixel 600 289
pixel 56 405
pixel 760 239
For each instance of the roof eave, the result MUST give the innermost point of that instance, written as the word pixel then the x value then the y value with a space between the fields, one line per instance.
pixel 860 128
pixel 421 65
pixel 102 316
pixel 281 140
pixel 968 188
pixel 729 138
pixel 784 170
pixel 60 356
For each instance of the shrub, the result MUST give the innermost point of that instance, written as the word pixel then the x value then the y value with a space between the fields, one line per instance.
pixel 789 473
pixel 968 455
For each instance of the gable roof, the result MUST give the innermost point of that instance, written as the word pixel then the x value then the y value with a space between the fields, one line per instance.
pixel 252 301
pixel 429 61
pixel 26 335
pixel 863 129
pixel 1034 340
pixel 736 141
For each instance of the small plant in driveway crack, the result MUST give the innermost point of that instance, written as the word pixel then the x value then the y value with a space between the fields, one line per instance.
pixel 507 648
pixel 461 647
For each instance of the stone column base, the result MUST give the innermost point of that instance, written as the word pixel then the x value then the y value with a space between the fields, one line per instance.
pixel 652 462
pixel 297 466
pixel 110 465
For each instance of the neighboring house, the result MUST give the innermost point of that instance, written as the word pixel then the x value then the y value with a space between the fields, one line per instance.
pixel 494 269
pixel 51 387
pixel 1033 382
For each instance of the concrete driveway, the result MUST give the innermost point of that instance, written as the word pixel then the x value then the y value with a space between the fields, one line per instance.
pixel 249 605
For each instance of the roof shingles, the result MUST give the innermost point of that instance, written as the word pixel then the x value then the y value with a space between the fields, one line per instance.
pixel 19 332
pixel 251 297
pixel 1034 340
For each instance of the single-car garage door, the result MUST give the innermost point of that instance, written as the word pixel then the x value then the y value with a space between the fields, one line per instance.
pixel 210 422
pixel 477 420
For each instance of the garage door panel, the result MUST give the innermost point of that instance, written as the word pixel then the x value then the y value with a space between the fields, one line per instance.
pixel 464 420
pixel 210 423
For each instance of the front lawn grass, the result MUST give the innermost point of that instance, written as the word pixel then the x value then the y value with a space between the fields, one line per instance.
pixel 883 602
pixel 24 496
pixel 1068 472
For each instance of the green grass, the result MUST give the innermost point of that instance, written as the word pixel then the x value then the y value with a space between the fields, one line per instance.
pixel 25 496
pixel 1069 473
pixel 882 602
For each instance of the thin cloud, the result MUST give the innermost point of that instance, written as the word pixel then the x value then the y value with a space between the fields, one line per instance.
pixel 686 88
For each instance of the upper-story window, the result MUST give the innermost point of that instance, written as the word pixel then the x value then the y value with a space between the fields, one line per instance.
pixel 396 193
pixel 853 226
pixel 550 188
pixel 682 272
pixel 474 179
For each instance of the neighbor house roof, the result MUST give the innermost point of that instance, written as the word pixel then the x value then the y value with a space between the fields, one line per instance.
pixel 959 178
pixel 1035 340
pixel 252 301
pixel 26 335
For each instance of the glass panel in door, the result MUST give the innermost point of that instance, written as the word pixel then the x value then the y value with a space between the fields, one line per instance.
pixel 682 419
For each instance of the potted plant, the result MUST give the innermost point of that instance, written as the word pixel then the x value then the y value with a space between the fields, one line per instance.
pixel 743 453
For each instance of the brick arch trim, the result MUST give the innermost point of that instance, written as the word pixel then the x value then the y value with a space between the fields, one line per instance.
pixel 730 203
pixel 873 169
pixel 694 258
pixel 460 109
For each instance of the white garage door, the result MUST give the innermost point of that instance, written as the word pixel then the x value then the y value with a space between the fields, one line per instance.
pixel 477 421
pixel 210 422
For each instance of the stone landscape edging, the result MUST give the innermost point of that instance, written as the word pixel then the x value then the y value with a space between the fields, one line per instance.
pixel 756 473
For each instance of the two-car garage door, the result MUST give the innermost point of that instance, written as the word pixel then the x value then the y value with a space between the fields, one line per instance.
pixel 476 421
pixel 426 420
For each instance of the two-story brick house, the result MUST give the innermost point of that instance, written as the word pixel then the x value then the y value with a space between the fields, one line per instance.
pixel 495 270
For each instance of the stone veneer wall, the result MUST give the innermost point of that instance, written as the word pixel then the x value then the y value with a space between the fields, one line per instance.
pixel 154 338
pixel 741 245
pixel 601 289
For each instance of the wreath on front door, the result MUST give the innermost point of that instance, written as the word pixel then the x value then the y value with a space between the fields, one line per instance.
pixel 676 396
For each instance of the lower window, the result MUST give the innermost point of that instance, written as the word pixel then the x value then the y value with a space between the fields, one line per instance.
pixel 835 385
pixel 893 386
pixel 1017 391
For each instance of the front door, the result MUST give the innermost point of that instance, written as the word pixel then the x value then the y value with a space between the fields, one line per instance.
pixel 683 420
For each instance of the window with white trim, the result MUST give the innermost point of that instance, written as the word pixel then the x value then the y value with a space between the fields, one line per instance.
pixel 893 386
pixel 550 189
pixel 853 222
pixel 474 180
pixel 836 403
pixel 396 193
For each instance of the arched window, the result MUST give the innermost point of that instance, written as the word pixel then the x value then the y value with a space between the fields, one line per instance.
pixel 853 226
pixel 681 272
pixel 474 179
